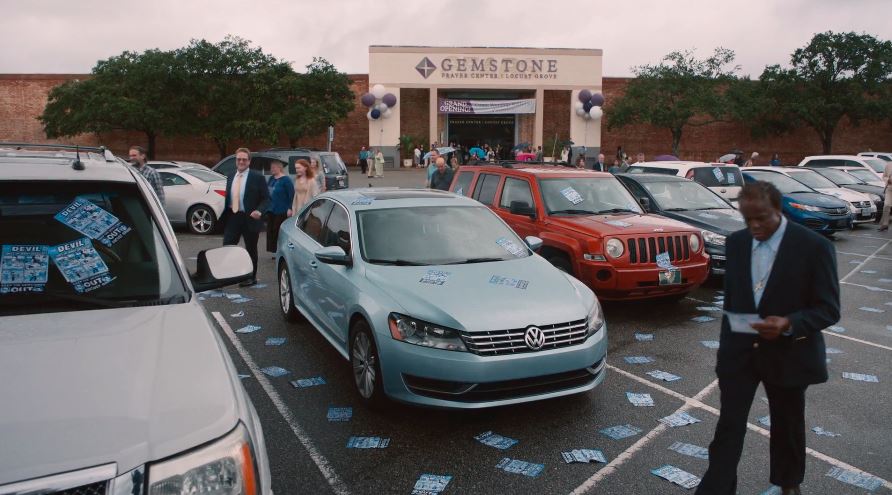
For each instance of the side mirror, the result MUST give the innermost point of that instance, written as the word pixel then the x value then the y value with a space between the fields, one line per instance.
pixel 334 255
pixel 533 242
pixel 645 203
pixel 220 267
pixel 522 208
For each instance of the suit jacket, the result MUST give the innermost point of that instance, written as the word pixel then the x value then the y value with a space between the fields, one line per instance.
pixel 600 167
pixel 803 287
pixel 256 197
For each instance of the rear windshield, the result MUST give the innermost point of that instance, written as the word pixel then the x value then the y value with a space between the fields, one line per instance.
pixel 876 164
pixel 839 177
pixel 784 184
pixel 204 175
pixel 72 246
pixel 863 175
pixel 332 164
pixel 812 179
pixel 723 176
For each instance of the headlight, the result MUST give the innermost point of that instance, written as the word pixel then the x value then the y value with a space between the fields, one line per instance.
pixel 713 238
pixel 412 331
pixel 225 467
pixel 595 319
pixel 695 242
pixel 615 248
pixel 800 206
pixel 876 198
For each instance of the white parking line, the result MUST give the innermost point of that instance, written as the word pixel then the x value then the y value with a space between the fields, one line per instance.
pixel 828 332
pixel 861 265
pixel 868 287
pixel 337 485
pixel 885 258
pixel 691 402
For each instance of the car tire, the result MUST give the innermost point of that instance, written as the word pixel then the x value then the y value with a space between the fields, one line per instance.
pixel 286 295
pixel 365 366
pixel 561 263
pixel 201 220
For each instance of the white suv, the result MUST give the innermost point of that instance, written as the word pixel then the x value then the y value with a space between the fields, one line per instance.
pixel 875 165
pixel 723 179
pixel 114 378
pixel 882 155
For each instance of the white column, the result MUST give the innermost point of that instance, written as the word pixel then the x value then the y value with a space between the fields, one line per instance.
pixel 432 120
pixel 539 126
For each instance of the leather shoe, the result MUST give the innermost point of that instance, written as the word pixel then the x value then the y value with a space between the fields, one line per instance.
pixel 791 491
pixel 248 283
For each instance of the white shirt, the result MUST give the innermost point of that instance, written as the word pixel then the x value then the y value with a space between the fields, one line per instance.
pixel 763 255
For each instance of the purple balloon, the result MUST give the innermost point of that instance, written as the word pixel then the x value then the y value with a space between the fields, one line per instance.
pixel 597 99
pixel 368 99
pixel 389 99
pixel 585 95
pixel 587 106
pixel 375 114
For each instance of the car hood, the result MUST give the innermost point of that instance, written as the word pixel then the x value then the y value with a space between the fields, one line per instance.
pixel 471 300
pixel 127 385
pixel 816 199
pixel 604 225
pixel 866 188
pixel 722 222
pixel 843 194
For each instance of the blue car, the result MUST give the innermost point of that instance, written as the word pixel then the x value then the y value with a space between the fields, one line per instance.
pixel 435 301
pixel 801 204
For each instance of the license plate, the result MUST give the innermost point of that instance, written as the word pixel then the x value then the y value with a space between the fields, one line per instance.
pixel 865 212
pixel 670 277
pixel 341 182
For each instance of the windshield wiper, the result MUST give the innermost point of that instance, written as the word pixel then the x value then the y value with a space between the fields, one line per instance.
pixel 82 298
pixel 575 212
pixel 474 260
pixel 676 209
pixel 397 262
pixel 712 208
pixel 616 210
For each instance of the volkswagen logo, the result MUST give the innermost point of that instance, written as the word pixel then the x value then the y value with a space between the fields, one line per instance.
pixel 534 338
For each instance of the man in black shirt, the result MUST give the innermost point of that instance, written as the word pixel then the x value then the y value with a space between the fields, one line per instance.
pixel 442 178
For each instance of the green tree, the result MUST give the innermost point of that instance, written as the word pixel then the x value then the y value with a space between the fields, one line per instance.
pixel 233 91
pixel 682 91
pixel 310 102
pixel 835 75
pixel 129 92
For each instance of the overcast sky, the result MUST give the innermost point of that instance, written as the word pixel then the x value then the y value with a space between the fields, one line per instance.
pixel 65 36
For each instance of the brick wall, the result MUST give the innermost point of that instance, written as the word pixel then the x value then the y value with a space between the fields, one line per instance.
pixel 556 119
pixel 23 97
pixel 414 107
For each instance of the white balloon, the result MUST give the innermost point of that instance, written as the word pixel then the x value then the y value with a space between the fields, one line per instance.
pixel 577 105
pixel 596 113
pixel 382 107
pixel 387 113
pixel 368 115
pixel 379 91
pixel 580 111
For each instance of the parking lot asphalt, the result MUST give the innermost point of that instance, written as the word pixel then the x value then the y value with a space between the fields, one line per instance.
pixel 309 455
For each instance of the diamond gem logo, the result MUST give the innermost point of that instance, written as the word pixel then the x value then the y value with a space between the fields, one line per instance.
pixel 425 67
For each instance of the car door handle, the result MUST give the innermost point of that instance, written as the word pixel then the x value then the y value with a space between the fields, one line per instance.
pixel 313 264
pixel 290 245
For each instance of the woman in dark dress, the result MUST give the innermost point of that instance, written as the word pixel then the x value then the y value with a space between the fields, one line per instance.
pixel 281 193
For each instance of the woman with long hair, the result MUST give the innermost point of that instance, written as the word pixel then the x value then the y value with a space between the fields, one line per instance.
pixel 305 186
pixel 281 194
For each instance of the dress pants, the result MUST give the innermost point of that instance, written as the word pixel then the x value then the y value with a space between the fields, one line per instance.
pixel 787 447
pixel 887 207
pixel 241 225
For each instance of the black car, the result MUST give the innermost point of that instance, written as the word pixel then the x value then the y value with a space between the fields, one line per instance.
pixel 689 202
pixel 849 181
pixel 332 166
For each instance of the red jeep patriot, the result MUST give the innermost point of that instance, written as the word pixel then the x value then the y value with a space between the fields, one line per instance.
pixel 592 228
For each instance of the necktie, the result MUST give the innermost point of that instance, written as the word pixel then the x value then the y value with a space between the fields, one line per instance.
pixel 236 192
pixel 760 264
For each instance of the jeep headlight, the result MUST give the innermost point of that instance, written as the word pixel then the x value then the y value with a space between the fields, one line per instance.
pixel 615 248
pixel 224 467
pixel 595 319
pixel 713 238
pixel 695 242
pixel 414 331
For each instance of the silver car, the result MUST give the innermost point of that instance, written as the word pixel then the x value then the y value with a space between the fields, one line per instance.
pixel 194 197
pixel 434 300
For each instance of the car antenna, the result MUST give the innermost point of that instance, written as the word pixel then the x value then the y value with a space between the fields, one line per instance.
pixel 77 164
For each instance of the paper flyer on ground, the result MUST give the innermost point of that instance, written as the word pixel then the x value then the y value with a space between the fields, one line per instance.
pixel 92 221
pixel 81 265
pixel 23 268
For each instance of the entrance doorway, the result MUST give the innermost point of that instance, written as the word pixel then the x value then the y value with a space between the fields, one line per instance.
pixel 472 130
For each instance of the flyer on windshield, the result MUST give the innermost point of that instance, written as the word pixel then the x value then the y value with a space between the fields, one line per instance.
pixel 94 222
pixel 81 265
pixel 23 268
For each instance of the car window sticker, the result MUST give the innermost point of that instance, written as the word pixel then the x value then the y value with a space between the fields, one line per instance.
pixel 572 195
pixel 23 268
pixel 81 265
pixel 94 222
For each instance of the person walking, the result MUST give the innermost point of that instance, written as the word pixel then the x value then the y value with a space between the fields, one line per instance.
pixel 784 276
pixel 442 178
pixel 370 163
pixel 580 162
pixel 417 154
pixel 432 167
pixel 281 195
pixel 752 161
pixel 138 160
pixel 379 164
pixel 247 198
pixel 318 175
pixel 305 186
pixel 600 165
pixel 887 204
pixel 614 168
pixel 775 160
pixel 539 154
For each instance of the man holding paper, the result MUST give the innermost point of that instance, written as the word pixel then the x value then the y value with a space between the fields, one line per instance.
pixel 781 290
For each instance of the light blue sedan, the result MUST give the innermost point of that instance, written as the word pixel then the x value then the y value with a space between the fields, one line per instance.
pixel 434 300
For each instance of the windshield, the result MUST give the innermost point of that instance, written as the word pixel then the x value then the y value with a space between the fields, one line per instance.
pixel 878 166
pixel 812 179
pixel 863 175
pixel 718 176
pixel 203 175
pixel 70 246
pixel 784 184
pixel 683 195
pixel 436 235
pixel 586 195
pixel 838 177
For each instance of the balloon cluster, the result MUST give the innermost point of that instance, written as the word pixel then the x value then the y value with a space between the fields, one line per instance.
pixel 379 102
pixel 589 105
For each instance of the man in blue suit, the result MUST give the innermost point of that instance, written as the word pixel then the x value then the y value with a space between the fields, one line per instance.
pixel 247 197
pixel 784 276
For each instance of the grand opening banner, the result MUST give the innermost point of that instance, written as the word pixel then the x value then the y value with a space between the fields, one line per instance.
pixel 480 107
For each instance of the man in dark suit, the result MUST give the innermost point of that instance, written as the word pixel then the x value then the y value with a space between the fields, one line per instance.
pixel 600 166
pixel 247 197
pixel 786 274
